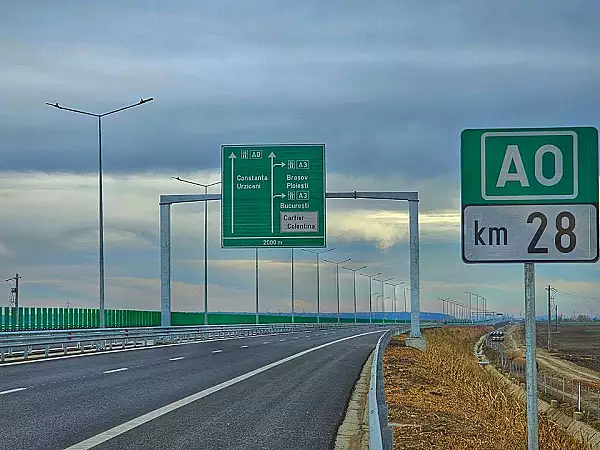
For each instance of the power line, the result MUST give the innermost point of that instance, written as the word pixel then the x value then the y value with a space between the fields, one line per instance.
pixel 580 297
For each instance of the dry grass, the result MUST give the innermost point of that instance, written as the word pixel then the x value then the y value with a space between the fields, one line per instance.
pixel 442 399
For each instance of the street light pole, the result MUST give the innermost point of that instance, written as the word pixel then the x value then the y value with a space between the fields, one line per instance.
pixel 470 307
pixel 205 186
pixel 317 253
pixel 383 297
pixel 337 281
pixel 354 285
pixel 395 300
pixel 370 294
pixel 100 187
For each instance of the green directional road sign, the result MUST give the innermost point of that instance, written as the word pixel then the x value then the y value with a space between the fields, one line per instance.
pixel 273 195
pixel 529 195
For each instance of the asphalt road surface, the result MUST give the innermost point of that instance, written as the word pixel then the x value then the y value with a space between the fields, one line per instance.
pixel 279 392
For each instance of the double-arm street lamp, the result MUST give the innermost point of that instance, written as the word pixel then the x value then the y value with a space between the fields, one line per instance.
pixel 317 253
pixel 337 281
pixel 205 186
pixel 354 284
pixel 100 186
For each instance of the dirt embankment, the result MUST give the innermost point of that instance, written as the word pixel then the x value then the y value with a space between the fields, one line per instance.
pixel 566 347
pixel 443 399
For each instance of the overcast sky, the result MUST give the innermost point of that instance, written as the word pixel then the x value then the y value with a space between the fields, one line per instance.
pixel 386 85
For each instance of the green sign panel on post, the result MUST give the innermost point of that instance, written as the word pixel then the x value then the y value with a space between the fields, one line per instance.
pixel 273 195
pixel 529 195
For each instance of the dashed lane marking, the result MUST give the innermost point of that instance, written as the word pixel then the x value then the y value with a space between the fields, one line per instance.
pixel 115 370
pixel 10 391
pixel 134 423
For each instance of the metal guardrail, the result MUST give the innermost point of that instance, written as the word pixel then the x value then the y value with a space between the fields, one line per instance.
pixel 51 342
pixel 380 433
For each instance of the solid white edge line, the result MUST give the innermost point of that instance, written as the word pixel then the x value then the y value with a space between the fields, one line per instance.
pixel 134 423
pixel 115 370
pixel 176 359
pixel 10 391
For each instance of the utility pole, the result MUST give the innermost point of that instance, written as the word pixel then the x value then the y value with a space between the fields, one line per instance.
pixel 550 290
pixel 15 291
pixel 556 316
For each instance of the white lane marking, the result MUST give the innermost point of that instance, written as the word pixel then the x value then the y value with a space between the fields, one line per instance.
pixel 244 346
pixel 296 338
pixel 115 370
pixel 266 342
pixel 176 359
pixel 133 349
pixel 10 391
pixel 134 423
pixel 281 340
pixel 216 351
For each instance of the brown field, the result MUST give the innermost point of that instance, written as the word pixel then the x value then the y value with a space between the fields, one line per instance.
pixel 443 399
pixel 575 342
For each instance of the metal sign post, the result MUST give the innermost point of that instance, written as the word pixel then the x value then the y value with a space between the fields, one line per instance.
pixel 529 196
pixel 530 366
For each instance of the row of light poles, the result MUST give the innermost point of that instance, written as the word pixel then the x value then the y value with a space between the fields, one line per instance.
pixel 460 311
pixel 317 254
pixel 99 116
pixel 477 308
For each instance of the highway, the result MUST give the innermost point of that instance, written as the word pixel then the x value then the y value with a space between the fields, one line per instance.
pixel 286 391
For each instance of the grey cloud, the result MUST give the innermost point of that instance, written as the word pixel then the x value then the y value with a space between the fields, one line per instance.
pixel 388 87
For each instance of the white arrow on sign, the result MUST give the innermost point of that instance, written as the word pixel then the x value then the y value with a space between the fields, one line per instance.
pixel 273 164
pixel 232 158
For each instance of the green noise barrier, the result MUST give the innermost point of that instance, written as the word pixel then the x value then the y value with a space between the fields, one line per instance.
pixel 44 318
